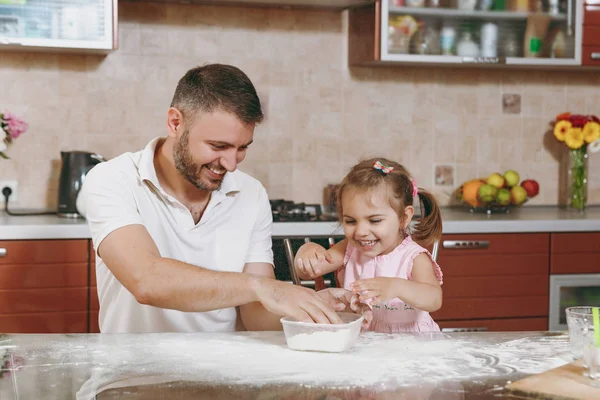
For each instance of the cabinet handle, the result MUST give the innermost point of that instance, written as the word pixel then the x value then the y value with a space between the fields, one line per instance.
pixel 595 56
pixel 469 329
pixel 2 252
pixel 466 244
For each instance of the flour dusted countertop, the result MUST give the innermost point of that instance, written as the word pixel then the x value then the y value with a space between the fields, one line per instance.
pixel 456 220
pixel 258 365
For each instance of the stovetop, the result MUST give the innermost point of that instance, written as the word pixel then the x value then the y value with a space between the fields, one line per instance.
pixel 288 211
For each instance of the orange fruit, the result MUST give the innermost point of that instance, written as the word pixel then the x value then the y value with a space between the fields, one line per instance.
pixel 469 192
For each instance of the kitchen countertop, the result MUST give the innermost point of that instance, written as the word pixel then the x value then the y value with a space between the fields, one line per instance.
pixel 251 365
pixel 456 220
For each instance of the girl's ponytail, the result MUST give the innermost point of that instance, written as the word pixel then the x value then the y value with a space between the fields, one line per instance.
pixel 429 228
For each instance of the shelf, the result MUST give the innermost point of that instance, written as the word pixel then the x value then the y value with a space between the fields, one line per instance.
pixel 476 14
pixel 480 61
pixel 335 5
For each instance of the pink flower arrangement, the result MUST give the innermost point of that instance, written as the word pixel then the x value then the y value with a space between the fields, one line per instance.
pixel 13 127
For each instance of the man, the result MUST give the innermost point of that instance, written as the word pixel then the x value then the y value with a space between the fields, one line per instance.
pixel 182 236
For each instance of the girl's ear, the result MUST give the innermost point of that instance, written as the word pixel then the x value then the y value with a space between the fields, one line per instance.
pixel 409 213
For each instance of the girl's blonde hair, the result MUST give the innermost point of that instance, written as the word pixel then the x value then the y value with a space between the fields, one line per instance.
pixel 365 175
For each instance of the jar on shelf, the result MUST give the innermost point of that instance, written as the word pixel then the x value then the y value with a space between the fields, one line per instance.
pixel 401 30
pixel 426 40
pixel 511 45
pixel 467 5
pixel 466 46
pixel 414 3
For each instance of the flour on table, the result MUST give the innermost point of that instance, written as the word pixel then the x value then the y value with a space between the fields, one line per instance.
pixel 263 358
pixel 321 341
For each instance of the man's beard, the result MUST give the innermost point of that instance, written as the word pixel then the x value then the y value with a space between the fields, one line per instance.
pixel 185 164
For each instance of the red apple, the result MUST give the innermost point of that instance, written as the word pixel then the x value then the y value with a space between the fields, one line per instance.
pixel 531 187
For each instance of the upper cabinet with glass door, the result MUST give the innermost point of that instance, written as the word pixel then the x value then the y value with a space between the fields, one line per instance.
pixel 498 32
pixel 64 25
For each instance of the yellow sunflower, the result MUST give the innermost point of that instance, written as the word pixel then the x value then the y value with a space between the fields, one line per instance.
pixel 574 138
pixel 560 129
pixel 591 132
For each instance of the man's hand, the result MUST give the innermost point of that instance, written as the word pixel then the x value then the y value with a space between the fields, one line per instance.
pixel 342 299
pixel 298 302
pixel 338 298
pixel 375 290
pixel 310 259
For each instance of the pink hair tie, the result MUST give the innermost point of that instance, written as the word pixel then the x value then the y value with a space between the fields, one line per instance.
pixel 415 189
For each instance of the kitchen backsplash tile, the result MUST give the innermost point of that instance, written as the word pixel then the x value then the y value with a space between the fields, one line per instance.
pixel 511 103
pixel 321 116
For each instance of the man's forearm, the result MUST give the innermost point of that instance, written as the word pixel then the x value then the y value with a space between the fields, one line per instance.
pixel 180 286
pixel 256 318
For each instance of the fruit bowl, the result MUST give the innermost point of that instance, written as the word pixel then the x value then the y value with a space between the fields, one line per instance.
pixel 490 209
pixel 496 194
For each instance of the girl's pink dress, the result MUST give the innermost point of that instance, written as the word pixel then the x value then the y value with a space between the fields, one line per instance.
pixel 395 315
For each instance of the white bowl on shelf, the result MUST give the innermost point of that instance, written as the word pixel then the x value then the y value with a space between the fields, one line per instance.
pixel 331 338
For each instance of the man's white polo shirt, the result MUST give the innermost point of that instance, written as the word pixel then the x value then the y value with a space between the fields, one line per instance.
pixel 235 229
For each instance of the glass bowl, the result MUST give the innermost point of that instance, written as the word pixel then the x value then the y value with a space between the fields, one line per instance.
pixel 492 208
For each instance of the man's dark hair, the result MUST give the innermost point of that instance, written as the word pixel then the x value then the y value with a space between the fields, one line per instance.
pixel 217 87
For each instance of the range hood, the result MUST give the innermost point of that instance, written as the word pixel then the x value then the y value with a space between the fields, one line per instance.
pixel 321 4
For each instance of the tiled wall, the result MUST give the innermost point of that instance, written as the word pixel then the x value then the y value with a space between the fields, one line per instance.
pixel 321 116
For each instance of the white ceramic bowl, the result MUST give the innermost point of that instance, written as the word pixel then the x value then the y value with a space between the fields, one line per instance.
pixel 333 338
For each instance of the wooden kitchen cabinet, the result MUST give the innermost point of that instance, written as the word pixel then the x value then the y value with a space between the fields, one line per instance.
pixel 495 281
pixel 44 286
pixel 575 253
pixel 591 12
pixel 591 33
pixel 377 34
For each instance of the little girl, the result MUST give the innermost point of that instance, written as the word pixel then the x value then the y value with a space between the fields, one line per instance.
pixel 378 260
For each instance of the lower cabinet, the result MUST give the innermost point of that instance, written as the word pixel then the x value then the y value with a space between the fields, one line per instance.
pixel 492 282
pixel 44 286
pixel 495 282
pixel 575 253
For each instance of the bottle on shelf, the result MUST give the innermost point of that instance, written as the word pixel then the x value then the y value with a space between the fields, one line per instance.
pixel 448 40
pixel 489 39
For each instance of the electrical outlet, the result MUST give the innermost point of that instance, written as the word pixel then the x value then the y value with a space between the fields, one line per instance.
pixel 11 184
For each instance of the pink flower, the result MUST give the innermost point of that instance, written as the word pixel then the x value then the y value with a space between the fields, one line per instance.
pixel 14 125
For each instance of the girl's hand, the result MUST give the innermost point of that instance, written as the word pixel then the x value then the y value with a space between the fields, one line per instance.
pixel 375 290
pixel 362 308
pixel 311 258
pixel 345 300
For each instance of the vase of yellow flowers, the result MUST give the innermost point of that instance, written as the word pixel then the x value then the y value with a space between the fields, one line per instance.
pixel 580 133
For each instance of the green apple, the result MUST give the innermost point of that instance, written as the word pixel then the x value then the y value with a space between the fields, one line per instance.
pixel 512 178
pixel 503 197
pixel 496 180
pixel 487 193
pixel 519 195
